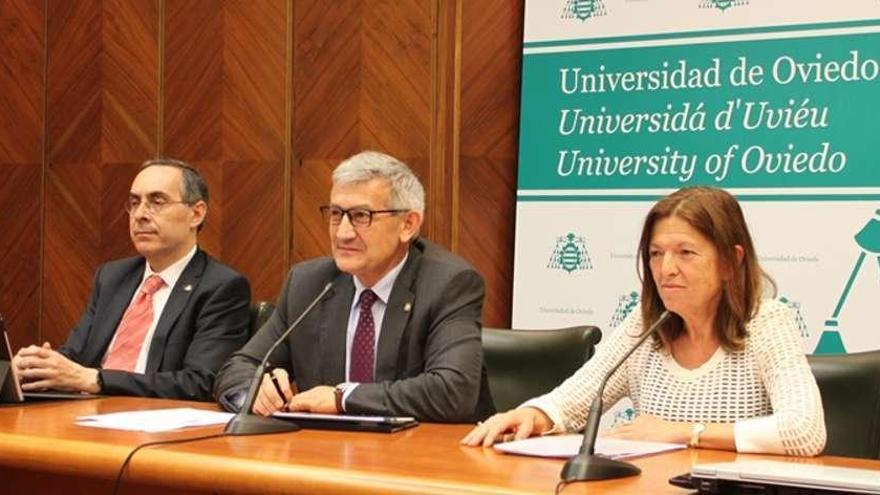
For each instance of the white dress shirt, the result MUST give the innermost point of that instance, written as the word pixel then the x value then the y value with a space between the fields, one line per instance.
pixel 170 276
pixel 382 288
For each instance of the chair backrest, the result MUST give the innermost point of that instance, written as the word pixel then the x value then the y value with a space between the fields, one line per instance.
pixel 522 364
pixel 260 313
pixel 850 387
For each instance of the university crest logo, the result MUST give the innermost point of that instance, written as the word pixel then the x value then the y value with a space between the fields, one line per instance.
pixel 795 308
pixel 570 254
pixel 583 9
pixel 625 305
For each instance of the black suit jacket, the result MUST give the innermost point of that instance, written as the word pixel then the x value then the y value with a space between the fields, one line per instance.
pixel 205 319
pixel 429 359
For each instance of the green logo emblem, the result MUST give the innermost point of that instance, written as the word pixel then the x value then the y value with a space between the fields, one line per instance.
pixel 583 9
pixel 868 240
pixel 795 308
pixel 625 305
pixel 623 417
pixel 722 4
pixel 570 254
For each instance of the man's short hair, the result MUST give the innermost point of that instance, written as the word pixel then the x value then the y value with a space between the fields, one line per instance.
pixel 193 187
pixel 407 192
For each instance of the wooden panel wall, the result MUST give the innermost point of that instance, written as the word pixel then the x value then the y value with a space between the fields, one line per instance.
pixel 224 110
pixel 101 107
pixel 491 56
pixel 362 80
pixel 265 97
pixel 22 48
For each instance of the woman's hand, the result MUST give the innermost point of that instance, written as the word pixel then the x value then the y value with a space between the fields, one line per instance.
pixel 520 423
pixel 651 428
pixel 719 436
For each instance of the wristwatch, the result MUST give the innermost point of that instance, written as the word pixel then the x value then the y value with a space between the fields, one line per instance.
pixel 696 431
pixel 338 394
pixel 99 379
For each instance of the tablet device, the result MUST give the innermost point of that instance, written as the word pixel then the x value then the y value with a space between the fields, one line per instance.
pixel 351 422
pixel 10 388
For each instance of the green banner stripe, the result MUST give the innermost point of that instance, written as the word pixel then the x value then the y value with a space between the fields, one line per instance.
pixel 703 34
pixel 714 126
pixel 538 199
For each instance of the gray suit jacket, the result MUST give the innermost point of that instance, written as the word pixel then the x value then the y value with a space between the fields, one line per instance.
pixel 205 319
pixel 429 360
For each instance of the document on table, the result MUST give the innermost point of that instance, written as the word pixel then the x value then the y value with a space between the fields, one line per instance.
pixel 155 420
pixel 565 446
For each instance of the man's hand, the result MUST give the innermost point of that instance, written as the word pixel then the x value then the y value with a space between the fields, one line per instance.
pixel 320 399
pixel 276 390
pixel 41 368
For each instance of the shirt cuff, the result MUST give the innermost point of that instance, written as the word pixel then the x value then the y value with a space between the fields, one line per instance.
pixel 545 406
pixel 758 435
pixel 347 389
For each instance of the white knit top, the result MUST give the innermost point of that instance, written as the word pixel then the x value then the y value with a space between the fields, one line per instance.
pixel 767 390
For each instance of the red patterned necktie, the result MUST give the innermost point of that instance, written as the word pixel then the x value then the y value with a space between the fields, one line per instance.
pixel 133 328
pixel 362 348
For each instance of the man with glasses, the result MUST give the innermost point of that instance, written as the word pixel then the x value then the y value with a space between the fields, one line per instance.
pixel 160 324
pixel 398 332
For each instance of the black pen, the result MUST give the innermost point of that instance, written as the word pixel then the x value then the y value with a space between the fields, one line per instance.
pixel 278 387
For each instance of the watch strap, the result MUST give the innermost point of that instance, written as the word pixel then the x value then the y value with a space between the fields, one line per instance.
pixel 338 395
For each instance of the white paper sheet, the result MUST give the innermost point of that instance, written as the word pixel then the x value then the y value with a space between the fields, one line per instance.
pixel 565 446
pixel 155 420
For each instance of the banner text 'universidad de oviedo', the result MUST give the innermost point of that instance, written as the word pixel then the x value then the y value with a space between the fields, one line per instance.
pixel 769 113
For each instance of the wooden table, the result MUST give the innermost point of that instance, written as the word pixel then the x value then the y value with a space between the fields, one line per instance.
pixel 42 451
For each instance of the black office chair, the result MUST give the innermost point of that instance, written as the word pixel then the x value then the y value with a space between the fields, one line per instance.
pixel 527 363
pixel 850 387
pixel 260 313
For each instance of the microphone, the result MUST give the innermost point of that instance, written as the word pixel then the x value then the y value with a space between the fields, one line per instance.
pixel 248 423
pixel 586 465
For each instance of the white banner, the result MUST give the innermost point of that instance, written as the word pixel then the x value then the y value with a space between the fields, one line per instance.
pixel 626 101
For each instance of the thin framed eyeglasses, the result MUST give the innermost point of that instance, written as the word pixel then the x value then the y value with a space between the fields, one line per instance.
pixel 153 205
pixel 359 217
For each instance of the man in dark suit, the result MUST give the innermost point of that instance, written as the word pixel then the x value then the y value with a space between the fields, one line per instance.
pixel 398 333
pixel 159 324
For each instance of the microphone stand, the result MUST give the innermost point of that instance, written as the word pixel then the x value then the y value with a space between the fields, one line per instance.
pixel 248 423
pixel 587 465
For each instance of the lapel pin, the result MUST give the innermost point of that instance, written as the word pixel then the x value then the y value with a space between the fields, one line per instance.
pixel 407 307
pixel 188 287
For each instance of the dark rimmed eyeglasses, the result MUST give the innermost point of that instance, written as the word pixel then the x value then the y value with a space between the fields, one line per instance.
pixel 153 205
pixel 359 217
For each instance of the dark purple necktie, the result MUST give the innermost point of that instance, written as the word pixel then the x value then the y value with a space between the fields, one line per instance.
pixel 362 349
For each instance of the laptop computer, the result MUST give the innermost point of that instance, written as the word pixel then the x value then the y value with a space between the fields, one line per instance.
pixel 781 477
pixel 10 388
